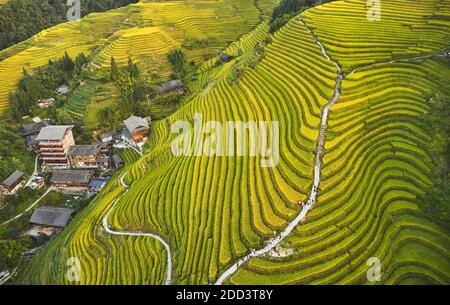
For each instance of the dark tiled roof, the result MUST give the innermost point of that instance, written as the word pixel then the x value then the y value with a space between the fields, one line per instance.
pixel 34 128
pixel 225 56
pixel 101 145
pixel 171 85
pixel 31 140
pixel 98 182
pixel 106 135
pixel 71 176
pixel 51 216
pixel 13 179
pixel 126 134
pixel 83 150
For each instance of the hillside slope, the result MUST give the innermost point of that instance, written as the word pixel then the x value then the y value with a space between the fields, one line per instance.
pixel 376 163
pixel 214 210
pixel 145 31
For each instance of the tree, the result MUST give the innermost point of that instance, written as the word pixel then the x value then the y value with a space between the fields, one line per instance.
pixel 80 61
pixel 67 63
pixel 64 117
pixel 114 70
pixel 41 84
pixel 21 19
pixel 10 253
pixel 176 58
pixel 140 90
pixel 286 10
pixel 132 69
pixel 107 116
pixel 435 202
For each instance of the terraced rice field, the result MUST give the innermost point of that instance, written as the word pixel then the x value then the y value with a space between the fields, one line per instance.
pixel 375 167
pixel 88 99
pixel 214 210
pixel 145 31
pixel 148 47
pixel 209 73
pixel 73 37
pixel 200 27
pixel 406 29
pixel 375 164
pixel 175 188
pixel 76 104
pixel 266 6
pixel 105 95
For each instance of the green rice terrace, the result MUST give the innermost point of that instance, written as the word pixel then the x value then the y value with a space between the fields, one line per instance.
pixel 350 95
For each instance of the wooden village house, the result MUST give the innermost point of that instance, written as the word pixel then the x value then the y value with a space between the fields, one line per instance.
pixel 54 143
pixel 49 220
pixel 77 180
pixel 10 185
pixel 173 86
pixel 138 128
pixel 83 156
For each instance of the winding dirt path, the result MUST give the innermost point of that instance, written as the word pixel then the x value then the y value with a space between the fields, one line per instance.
pixel 30 207
pixel 111 231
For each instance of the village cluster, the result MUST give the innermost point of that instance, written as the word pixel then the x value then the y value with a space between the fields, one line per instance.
pixel 75 169
pixel 78 170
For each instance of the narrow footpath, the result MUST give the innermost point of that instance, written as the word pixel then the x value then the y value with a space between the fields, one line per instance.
pixel 111 231
pixel 317 167
pixel 30 207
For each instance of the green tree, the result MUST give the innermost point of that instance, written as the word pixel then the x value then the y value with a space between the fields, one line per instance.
pixel 132 69
pixel 80 61
pixel 67 62
pixel 176 58
pixel 21 19
pixel 287 9
pixel 107 116
pixel 63 117
pixel 436 201
pixel 10 253
pixel 114 70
